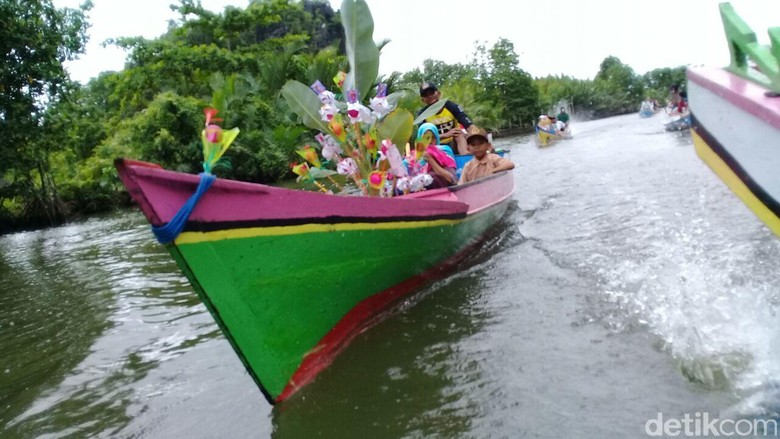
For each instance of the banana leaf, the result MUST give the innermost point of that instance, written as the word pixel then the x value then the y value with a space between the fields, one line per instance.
pixel 430 111
pixel 397 126
pixel 362 53
pixel 305 103
pixel 394 98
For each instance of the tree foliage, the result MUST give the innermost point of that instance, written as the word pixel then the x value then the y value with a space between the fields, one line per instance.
pixel 35 38
pixel 616 89
pixel 509 85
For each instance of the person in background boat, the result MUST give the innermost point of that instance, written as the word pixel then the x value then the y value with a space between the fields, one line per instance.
pixel 563 116
pixel 484 163
pixel 674 98
pixel 682 106
pixel 438 159
pixel 450 121
pixel 681 109
pixel 545 124
pixel 560 126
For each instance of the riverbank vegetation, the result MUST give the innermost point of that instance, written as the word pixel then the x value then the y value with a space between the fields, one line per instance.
pixel 59 138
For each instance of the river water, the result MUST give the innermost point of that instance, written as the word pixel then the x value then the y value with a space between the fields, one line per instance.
pixel 626 283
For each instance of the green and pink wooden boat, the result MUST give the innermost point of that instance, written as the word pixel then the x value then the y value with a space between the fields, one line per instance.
pixel 735 122
pixel 292 276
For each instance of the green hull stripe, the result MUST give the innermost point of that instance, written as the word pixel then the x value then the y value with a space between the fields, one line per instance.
pixel 275 295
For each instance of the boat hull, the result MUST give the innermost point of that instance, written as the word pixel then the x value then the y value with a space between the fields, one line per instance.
pixel 290 291
pixel 736 130
pixel 680 124
pixel 544 138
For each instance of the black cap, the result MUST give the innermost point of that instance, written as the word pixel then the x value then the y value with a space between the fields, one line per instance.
pixel 427 87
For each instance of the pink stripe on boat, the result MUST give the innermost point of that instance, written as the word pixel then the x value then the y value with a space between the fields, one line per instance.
pixel 741 92
pixel 235 201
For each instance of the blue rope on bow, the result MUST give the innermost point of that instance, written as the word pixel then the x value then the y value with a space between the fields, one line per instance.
pixel 170 231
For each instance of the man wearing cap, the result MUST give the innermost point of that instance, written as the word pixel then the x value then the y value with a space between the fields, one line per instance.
pixel 484 163
pixel 448 121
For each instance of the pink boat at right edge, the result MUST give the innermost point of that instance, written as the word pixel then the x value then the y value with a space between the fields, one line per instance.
pixel 735 123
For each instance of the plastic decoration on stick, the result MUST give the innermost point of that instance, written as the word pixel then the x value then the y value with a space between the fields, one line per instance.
pixel 215 140
pixel 304 174
pixel 310 155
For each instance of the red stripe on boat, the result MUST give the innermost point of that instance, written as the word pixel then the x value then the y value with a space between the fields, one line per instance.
pixel 360 318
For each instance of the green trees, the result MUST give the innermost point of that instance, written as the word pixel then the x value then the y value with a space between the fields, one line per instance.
pixel 493 89
pixel 35 39
pixel 658 81
pixel 616 89
pixel 237 62
pixel 508 85
pixel 60 139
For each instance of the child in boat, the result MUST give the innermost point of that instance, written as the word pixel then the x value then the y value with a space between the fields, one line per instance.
pixel 439 160
pixel 484 163
pixel 545 124
pixel 559 126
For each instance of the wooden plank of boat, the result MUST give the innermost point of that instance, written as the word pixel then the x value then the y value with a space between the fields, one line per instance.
pixel 735 124
pixel 291 276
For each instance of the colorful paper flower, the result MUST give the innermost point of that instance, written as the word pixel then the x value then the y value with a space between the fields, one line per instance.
pixel 318 87
pixel 339 79
pixel 376 179
pixel 327 98
pixel 327 112
pixel 301 170
pixel 403 184
pixel 310 155
pixel 419 182
pixel 381 90
pixel 351 139
pixel 380 107
pixel 330 147
pixel 214 139
pixel 379 103
pixel 337 128
pixel 347 167
pixel 369 141
pixel 213 133
pixel 352 96
pixel 358 113
pixel 210 113
pixel 394 158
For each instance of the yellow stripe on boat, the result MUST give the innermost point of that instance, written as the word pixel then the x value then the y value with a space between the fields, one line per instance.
pixel 218 235
pixel 735 183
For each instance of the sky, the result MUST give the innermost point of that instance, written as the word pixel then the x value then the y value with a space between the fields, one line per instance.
pixel 568 37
